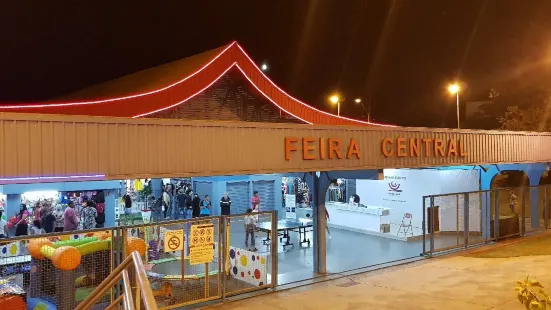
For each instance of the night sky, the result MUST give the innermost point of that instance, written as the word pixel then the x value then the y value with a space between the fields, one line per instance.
pixel 398 55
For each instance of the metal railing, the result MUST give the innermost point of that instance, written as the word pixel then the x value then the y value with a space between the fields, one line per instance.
pixel 100 277
pixel 143 289
pixel 462 220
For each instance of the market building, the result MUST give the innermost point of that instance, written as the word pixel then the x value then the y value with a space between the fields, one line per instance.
pixel 218 122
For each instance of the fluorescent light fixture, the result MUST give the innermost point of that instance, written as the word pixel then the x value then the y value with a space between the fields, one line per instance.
pixel 52 178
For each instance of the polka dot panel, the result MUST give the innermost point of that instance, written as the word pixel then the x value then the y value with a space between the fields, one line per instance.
pixel 248 266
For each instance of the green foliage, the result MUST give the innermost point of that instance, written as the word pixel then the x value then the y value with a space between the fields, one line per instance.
pixel 526 119
pixel 145 192
pixel 532 300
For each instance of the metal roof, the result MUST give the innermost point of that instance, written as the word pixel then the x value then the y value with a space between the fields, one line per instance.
pixel 154 90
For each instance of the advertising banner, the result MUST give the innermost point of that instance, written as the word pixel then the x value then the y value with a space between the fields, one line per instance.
pixel 290 207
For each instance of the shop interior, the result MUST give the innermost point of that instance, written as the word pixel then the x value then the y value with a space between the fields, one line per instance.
pixel 374 218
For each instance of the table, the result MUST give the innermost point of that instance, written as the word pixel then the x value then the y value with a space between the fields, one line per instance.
pixel 284 229
pixel 351 217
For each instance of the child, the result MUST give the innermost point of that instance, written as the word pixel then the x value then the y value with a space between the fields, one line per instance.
pixel 36 229
pixel 250 227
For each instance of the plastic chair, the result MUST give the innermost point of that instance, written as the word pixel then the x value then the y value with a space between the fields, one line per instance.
pixel 405 226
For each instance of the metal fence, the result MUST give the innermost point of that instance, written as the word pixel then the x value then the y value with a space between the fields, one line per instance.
pixel 187 262
pixel 461 220
pixel 55 271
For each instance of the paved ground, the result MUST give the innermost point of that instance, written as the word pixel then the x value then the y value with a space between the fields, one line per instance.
pixel 453 282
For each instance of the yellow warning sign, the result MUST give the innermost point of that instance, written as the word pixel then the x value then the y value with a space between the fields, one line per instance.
pixel 174 240
pixel 201 244
pixel 201 234
pixel 201 255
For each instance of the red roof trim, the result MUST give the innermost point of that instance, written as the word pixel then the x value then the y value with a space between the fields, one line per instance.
pixel 143 104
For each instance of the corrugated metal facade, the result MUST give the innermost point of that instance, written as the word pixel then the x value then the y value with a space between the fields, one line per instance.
pixel 40 145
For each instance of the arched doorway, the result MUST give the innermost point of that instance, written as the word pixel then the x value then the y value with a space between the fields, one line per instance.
pixel 510 200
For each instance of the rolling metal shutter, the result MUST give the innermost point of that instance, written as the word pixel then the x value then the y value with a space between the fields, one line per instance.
pixel 240 196
pixel 202 189
pixel 266 192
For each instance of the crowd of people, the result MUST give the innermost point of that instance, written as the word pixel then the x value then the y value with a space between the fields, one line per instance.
pixel 180 202
pixel 47 218
pixel 175 202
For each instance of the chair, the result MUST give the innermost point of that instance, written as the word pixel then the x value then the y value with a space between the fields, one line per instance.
pixel 405 226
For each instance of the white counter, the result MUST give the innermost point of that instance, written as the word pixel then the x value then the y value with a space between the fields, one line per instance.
pixel 366 219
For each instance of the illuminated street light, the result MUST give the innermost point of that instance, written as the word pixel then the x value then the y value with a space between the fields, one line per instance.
pixel 264 67
pixel 454 90
pixel 358 100
pixel 336 100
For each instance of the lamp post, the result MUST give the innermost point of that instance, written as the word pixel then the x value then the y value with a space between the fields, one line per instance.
pixel 454 89
pixel 336 100
pixel 359 101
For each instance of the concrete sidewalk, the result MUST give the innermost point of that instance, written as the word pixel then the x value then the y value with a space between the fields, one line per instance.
pixel 454 282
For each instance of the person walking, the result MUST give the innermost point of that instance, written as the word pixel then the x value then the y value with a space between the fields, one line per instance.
pixel 255 202
pixel 166 202
pixel 22 228
pixel 58 213
pixel 127 204
pixel 99 200
pixel 181 202
pixel 37 211
pixel 196 206
pixel 70 218
pixel 48 218
pixel 89 214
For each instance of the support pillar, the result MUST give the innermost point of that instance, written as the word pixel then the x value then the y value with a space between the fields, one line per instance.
pixel 534 177
pixel 13 204
pixel 111 202
pixel 320 251
pixel 157 187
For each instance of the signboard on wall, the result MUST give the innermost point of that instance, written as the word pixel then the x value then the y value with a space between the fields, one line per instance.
pixel 291 207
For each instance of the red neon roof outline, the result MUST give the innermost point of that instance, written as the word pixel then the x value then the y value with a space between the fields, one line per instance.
pixel 218 67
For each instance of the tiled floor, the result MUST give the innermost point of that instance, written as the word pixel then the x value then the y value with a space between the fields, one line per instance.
pixel 449 283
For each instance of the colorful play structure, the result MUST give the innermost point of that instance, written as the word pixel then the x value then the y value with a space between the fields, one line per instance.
pixel 65 272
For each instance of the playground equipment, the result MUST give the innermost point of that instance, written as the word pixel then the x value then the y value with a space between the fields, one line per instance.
pixel 165 291
pixel 66 255
pixel 83 261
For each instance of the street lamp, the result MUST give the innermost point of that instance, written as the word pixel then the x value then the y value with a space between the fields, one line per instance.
pixel 264 67
pixel 454 90
pixel 336 100
pixel 358 100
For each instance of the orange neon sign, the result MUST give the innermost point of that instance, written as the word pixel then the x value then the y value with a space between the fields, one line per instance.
pixel 427 147
pixel 321 148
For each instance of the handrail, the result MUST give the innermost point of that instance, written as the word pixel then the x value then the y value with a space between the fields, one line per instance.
pixel 121 273
pixel 128 302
